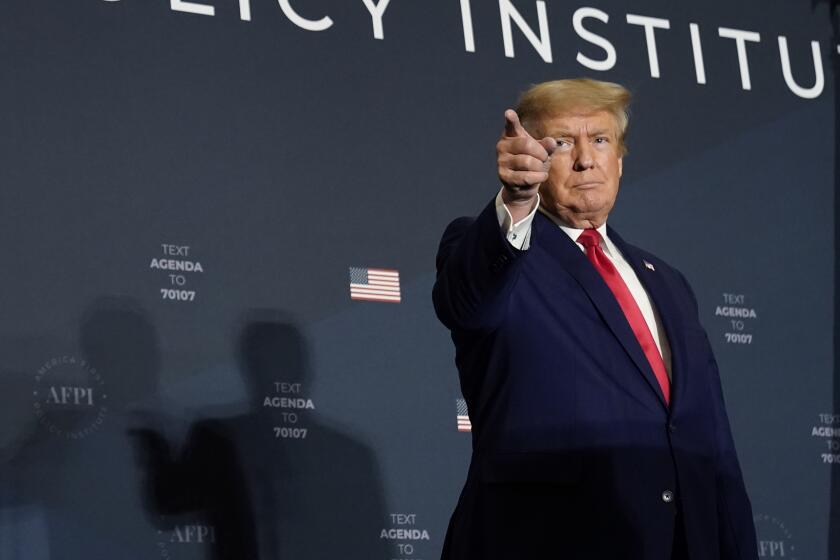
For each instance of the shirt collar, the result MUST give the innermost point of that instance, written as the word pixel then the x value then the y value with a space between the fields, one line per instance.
pixel 574 233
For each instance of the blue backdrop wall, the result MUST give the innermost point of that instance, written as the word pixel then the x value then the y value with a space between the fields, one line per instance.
pixel 187 190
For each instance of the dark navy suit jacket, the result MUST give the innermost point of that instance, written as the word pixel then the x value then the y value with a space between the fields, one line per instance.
pixel 575 453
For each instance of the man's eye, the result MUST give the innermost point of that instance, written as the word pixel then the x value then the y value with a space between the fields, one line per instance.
pixel 562 143
pixel 602 140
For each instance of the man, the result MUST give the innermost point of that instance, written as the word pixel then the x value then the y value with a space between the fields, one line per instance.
pixel 599 427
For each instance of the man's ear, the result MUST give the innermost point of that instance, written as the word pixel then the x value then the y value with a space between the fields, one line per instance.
pixel 620 165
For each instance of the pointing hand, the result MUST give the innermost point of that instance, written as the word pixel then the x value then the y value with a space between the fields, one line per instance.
pixel 522 161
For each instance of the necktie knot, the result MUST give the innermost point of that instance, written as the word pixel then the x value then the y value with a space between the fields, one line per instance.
pixel 589 238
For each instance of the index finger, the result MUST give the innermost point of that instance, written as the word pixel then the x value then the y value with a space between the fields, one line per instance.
pixel 513 128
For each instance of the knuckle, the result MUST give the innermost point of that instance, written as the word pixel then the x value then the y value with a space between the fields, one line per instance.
pixel 536 149
pixel 518 179
pixel 522 145
pixel 521 162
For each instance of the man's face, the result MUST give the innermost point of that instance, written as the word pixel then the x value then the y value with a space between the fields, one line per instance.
pixel 585 168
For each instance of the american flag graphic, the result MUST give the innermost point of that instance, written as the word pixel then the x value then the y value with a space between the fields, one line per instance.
pixel 374 284
pixel 464 424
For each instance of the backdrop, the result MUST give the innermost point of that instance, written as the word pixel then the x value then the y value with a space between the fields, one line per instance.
pixel 218 223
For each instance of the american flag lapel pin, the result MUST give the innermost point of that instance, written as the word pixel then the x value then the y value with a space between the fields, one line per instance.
pixel 649 266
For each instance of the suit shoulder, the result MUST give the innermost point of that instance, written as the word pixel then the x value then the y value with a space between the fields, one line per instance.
pixel 649 260
pixel 641 256
pixel 658 262
pixel 679 280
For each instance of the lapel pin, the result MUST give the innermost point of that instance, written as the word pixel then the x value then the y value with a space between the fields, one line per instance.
pixel 649 266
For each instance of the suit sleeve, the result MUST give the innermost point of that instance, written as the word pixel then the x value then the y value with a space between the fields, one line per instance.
pixel 735 518
pixel 476 271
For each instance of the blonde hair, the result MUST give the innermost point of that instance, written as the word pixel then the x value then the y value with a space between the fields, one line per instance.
pixel 550 99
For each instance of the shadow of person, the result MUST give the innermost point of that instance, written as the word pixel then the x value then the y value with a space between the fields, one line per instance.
pixel 72 468
pixel 23 516
pixel 277 482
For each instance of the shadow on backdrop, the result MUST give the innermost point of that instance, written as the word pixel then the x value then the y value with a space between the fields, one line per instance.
pixel 69 470
pixel 23 517
pixel 257 494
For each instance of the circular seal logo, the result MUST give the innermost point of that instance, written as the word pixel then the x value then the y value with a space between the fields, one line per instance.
pixel 69 397
pixel 774 540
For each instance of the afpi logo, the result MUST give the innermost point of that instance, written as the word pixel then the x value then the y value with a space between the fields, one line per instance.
pixel 774 540
pixel 69 397
pixel 193 534
pixel 188 540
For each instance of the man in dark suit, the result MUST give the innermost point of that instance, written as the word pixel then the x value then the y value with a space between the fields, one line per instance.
pixel 599 425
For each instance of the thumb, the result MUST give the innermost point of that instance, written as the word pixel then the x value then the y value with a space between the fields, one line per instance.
pixel 513 127
pixel 550 144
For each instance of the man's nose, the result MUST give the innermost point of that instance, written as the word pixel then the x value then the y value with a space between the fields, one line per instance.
pixel 583 157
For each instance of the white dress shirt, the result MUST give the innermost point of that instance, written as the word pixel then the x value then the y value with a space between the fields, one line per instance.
pixel 519 235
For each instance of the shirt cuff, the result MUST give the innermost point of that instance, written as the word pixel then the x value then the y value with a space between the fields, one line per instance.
pixel 518 234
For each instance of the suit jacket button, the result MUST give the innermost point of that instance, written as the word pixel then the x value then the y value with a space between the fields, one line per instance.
pixel 667 496
pixel 671 427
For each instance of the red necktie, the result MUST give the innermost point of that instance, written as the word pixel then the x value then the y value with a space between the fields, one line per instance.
pixel 591 241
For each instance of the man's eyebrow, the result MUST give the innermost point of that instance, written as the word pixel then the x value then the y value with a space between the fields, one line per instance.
pixel 569 134
pixel 561 134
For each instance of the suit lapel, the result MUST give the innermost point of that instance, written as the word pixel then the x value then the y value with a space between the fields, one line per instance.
pixel 665 306
pixel 554 241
